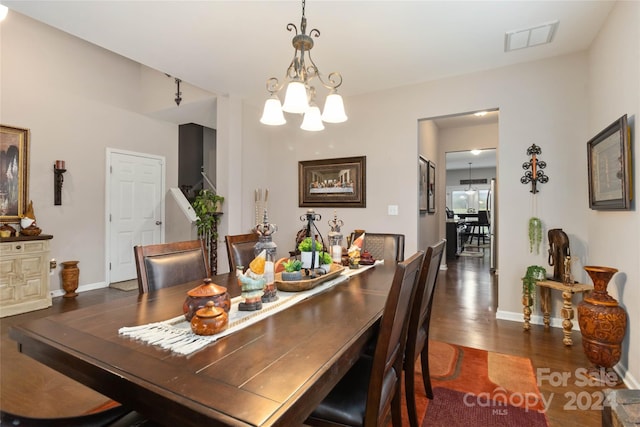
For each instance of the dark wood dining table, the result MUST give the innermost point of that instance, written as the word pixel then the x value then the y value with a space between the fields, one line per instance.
pixel 272 373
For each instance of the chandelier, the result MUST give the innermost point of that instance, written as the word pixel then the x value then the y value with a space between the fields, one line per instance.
pixel 470 190
pixel 300 94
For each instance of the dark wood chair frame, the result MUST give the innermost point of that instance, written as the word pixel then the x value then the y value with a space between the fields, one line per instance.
pixel 377 380
pixel 168 252
pixel 418 333
pixel 373 238
pixel 235 245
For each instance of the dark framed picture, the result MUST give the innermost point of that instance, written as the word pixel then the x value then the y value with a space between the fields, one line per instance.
pixel 609 166
pixel 423 171
pixel 333 182
pixel 431 187
pixel 14 173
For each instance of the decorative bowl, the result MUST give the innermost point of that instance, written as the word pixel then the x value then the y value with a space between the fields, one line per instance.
pixel 306 283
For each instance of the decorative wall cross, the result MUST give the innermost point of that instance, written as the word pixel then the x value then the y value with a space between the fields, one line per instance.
pixel 533 167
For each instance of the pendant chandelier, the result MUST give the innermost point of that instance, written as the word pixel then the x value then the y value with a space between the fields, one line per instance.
pixel 300 93
pixel 470 190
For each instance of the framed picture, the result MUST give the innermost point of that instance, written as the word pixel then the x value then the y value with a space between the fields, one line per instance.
pixel 423 165
pixel 431 188
pixel 14 173
pixel 609 166
pixel 333 182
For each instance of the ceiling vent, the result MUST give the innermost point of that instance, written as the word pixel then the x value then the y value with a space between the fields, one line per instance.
pixel 529 37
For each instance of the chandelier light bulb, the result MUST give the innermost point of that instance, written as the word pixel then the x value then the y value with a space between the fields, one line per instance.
pixel 295 100
pixel 334 109
pixel 312 120
pixel 272 113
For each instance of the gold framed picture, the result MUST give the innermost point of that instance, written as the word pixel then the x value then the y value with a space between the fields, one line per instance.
pixel 14 173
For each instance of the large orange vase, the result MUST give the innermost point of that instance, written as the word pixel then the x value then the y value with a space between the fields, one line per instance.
pixel 70 274
pixel 602 322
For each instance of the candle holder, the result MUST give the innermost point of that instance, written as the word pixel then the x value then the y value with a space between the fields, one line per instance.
pixel 58 179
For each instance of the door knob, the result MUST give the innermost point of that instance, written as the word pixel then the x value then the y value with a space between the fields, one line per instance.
pixel 158 222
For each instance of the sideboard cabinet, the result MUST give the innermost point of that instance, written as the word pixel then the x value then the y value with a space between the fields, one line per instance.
pixel 24 274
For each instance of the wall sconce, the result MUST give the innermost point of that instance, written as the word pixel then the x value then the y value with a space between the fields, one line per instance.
pixel 58 179
pixel 535 174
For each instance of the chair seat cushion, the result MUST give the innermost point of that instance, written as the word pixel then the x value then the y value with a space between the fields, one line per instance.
pixel 347 401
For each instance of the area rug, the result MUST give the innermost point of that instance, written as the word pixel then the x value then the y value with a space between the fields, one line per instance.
pixel 474 387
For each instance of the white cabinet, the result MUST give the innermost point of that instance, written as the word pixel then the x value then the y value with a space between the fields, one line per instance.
pixel 24 274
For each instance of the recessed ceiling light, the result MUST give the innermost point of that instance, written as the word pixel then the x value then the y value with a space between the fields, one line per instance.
pixel 476 152
pixel 480 114
pixel 528 37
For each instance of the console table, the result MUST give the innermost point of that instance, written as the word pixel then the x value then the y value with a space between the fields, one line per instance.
pixel 545 304
pixel 24 274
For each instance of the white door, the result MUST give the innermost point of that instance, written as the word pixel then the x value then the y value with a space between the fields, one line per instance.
pixel 135 209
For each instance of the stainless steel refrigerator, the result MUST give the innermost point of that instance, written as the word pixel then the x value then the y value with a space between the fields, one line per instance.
pixel 492 214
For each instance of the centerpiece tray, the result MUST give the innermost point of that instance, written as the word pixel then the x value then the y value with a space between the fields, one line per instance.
pixel 306 283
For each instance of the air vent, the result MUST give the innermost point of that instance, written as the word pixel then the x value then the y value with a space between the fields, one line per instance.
pixel 529 37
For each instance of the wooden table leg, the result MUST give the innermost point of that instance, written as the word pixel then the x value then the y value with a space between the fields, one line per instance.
pixel 567 314
pixel 545 306
pixel 526 303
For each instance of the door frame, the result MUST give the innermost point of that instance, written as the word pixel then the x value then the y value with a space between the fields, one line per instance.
pixel 107 199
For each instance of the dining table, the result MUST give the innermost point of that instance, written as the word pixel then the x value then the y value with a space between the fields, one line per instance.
pixel 271 373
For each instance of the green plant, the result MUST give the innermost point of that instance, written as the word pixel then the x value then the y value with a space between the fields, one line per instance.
pixel 534 274
pixel 292 265
pixel 305 245
pixel 205 206
pixel 325 258
pixel 535 234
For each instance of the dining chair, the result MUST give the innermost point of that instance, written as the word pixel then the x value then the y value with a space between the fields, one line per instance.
pixel 240 249
pixel 371 390
pixel 383 246
pixel 168 264
pixel 418 332
pixel 115 416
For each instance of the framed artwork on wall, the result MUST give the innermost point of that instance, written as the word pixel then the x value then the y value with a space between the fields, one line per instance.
pixel 423 172
pixel 431 187
pixel 14 173
pixel 609 166
pixel 333 182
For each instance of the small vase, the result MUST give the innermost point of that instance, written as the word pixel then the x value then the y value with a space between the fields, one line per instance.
pixel 290 276
pixel 70 274
pixel 602 323
pixel 305 257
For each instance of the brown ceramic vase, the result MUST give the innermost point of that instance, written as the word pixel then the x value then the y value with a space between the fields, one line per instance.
pixel 602 323
pixel 70 274
pixel 198 297
pixel 209 320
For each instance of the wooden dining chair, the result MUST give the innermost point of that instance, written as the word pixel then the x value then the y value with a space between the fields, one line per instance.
pixel 168 264
pixel 418 333
pixel 371 390
pixel 240 249
pixel 382 246
pixel 115 416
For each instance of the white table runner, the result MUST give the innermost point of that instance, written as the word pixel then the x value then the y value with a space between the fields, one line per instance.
pixel 175 334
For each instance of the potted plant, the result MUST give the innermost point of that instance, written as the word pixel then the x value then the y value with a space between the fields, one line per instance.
pixel 305 252
pixel 535 234
pixel 206 205
pixel 534 274
pixel 325 261
pixel 292 270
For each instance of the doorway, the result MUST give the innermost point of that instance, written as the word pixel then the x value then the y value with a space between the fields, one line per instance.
pixel 135 209
pixel 453 133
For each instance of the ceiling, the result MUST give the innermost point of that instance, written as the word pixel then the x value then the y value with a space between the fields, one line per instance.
pixel 232 47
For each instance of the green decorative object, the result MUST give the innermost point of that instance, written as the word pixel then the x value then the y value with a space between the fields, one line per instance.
pixel 325 258
pixel 292 265
pixel 534 274
pixel 206 205
pixel 305 245
pixel 535 234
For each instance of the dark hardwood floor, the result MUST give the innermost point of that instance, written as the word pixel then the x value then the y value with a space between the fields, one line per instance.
pixel 464 313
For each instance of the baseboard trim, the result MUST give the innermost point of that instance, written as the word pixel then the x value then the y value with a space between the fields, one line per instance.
pixel 81 288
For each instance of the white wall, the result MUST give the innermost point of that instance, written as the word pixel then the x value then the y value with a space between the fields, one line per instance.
pixel 612 237
pixel 428 146
pixel 77 100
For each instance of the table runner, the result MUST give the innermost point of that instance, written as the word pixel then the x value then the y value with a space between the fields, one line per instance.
pixel 175 334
